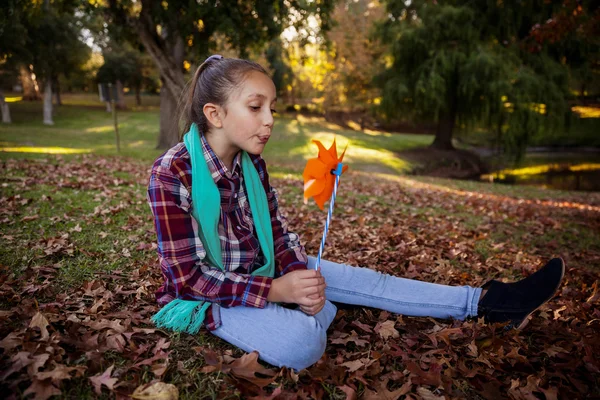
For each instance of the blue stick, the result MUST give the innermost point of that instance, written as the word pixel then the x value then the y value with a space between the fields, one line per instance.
pixel 337 172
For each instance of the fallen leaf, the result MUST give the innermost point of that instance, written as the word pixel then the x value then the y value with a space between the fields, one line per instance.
pixel 382 392
pixel 353 365
pixel 156 391
pixel 76 228
pixel 59 373
pixel 103 379
pixel 427 394
pixel 350 393
pixel 386 329
pixel 42 390
pixel 39 321
pixel 247 366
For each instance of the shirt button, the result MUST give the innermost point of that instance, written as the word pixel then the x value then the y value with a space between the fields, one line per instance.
pixel 239 228
pixel 235 196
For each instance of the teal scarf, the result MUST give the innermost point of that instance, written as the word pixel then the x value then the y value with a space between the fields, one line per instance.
pixel 188 315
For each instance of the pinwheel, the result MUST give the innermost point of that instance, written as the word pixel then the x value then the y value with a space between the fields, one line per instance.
pixel 321 179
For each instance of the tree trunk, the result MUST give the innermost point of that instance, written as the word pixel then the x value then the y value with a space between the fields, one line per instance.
pixel 447 119
pixel 120 100
pixel 168 58
pixel 169 115
pixel 56 91
pixel 443 136
pixel 169 132
pixel 31 90
pixel 48 103
pixel 138 98
pixel 170 70
pixel 4 109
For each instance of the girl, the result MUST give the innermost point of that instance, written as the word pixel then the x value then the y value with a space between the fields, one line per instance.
pixel 228 258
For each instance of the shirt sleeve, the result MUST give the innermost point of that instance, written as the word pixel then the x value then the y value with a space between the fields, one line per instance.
pixel 181 252
pixel 290 254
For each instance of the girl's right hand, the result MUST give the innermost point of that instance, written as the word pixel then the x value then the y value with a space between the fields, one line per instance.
pixel 303 287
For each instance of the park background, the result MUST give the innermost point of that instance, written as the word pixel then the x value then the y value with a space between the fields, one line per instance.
pixel 472 132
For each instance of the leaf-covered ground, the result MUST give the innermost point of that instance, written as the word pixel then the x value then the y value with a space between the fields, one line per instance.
pixel 78 273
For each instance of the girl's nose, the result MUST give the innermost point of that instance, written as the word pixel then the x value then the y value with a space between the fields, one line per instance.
pixel 269 118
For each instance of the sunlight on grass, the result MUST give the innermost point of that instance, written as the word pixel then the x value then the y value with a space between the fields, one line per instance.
pixel 303 119
pixel 100 129
pixel 371 132
pixel 541 169
pixel 356 152
pixel 587 112
pixel 309 149
pixel 139 143
pixel 365 155
pixel 45 150
pixel 12 99
pixel 285 175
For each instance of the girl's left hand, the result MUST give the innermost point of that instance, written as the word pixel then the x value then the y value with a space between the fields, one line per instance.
pixel 313 310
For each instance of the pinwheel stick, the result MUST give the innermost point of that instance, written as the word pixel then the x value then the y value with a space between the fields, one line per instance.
pixel 337 172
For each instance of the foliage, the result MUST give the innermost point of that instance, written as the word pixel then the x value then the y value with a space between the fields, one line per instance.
pixel 460 63
pixel 79 272
pixel 177 31
pixel 356 55
pixel 49 37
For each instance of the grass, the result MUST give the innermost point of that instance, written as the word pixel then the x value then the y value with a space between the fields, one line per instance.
pixel 82 124
pixel 88 129
pixel 104 212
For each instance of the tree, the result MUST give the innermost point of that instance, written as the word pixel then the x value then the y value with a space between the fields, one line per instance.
pixel 465 62
pixel 46 36
pixel 120 68
pixel 12 49
pixel 171 31
pixel 357 55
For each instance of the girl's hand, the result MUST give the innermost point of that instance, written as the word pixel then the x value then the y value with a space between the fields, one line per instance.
pixel 303 287
pixel 314 310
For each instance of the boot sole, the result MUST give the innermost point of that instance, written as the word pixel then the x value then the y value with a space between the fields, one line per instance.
pixel 525 320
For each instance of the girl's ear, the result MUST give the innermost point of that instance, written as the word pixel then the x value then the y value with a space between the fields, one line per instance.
pixel 212 112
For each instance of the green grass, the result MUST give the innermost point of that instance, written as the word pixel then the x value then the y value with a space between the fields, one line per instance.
pixel 102 223
pixel 82 124
pixel 98 239
pixel 82 128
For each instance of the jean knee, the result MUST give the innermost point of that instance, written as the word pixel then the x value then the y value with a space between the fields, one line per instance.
pixel 305 347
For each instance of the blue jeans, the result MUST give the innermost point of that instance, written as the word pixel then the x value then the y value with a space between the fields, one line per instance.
pixel 290 338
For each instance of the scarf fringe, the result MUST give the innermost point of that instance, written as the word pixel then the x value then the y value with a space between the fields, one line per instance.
pixel 182 316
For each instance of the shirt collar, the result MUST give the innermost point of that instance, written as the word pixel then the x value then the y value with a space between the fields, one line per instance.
pixel 216 167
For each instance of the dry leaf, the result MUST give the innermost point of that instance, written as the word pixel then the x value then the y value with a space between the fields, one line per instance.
pixel 42 390
pixel 39 321
pixel 156 391
pixel 103 379
pixel 386 329
pixel 427 394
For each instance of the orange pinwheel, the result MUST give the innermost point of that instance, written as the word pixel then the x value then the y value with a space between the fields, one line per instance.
pixel 318 179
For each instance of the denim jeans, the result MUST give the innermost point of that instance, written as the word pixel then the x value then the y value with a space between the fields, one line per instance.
pixel 290 338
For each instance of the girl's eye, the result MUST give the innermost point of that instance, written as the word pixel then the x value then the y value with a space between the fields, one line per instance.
pixel 273 111
pixel 255 108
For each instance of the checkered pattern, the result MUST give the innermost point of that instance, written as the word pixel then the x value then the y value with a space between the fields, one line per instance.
pixel 182 254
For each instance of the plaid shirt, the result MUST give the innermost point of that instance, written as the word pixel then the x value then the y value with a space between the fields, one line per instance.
pixel 181 253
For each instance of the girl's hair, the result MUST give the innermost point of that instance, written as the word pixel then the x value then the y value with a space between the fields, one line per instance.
pixel 213 82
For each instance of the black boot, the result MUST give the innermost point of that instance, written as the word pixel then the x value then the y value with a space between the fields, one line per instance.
pixel 514 302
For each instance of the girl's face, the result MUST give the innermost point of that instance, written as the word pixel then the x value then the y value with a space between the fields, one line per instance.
pixel 249 119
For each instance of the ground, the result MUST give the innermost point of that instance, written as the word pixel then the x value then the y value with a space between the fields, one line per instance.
pixel 79 269
pixel 79 273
